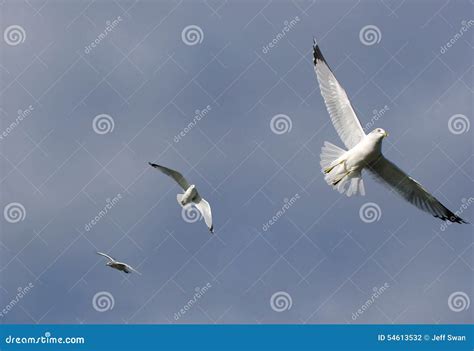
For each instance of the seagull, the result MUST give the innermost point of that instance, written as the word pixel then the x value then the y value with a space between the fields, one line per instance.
pixel 364 151
pixel 113 263
pixel 190 195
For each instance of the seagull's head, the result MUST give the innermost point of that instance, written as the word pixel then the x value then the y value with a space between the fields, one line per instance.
pixel 379 133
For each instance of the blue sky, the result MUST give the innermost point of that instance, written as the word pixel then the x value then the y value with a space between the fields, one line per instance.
pixel 320 261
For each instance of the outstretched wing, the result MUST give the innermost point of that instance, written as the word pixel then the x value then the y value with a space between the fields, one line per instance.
pixel 133 269
pixel 178 177
pixel 205 209
pixel 339 107
pixel 107 256
pixel 410 189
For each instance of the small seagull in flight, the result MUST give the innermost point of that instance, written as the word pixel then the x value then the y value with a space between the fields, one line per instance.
pixel 113 263
pixel 190 196
pixel 343 167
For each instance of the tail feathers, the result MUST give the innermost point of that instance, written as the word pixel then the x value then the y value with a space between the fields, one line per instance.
pixel 329 154
pixel 351 184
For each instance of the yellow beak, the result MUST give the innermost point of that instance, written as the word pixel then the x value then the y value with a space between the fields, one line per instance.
pixel 386 134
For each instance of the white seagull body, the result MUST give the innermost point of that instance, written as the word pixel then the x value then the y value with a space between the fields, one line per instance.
pixel 344 168
pixel 190 195
pixel 113 263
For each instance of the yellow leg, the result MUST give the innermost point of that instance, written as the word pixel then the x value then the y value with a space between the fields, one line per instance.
pixel 341 178
pixel 329 169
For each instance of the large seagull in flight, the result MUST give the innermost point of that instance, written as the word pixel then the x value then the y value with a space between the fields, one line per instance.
pixel 343 169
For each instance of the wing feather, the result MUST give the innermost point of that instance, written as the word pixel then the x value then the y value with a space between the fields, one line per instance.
pixel 409 189
pixel 205 209
pixel 107 256
pixel 178 177
pixel 339 107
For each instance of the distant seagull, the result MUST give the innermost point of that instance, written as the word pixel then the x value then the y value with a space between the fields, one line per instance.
pixel 365 151
pixel 190 195
pixel 118 265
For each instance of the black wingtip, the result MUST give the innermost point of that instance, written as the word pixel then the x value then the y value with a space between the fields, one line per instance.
pixel 453 218
pixel 211 229
pixel 317 54
pixel 153 164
